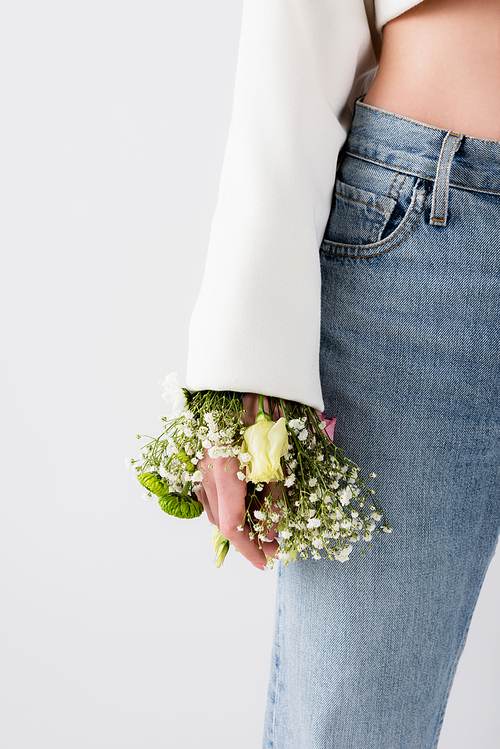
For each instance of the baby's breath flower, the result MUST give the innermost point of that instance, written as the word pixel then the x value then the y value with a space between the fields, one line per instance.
pixel 313 523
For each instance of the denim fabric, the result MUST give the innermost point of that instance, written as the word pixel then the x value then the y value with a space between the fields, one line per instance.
pixel 365 652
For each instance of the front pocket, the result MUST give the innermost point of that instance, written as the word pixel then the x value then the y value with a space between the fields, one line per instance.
pixel 358 216
pixel 362 224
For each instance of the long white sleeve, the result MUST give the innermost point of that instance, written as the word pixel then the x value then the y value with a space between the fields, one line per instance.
pixel 256 324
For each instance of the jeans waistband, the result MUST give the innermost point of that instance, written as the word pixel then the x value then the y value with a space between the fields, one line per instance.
pixel 417 148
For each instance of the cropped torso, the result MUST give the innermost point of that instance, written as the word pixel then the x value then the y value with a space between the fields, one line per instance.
pixel 440 64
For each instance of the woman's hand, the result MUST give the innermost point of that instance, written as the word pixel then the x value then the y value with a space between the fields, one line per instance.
pixel 224 497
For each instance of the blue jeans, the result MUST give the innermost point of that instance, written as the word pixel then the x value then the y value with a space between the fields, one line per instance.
pixel 365 652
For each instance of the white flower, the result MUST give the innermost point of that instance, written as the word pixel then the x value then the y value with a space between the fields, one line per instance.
pixel 197 477
pixel 303 435
pixel 206 444
pixel 173 393
pixel 290 480
pixel 241 476
pixel 129 462
pixel 313 523
pixel 354 513
pixel 387 529
pixel 345 496
pixel 317 542
pixel 209 419
pixel 259 515
pixel 376 516
pixel 297 424
pixel 313 482
pixel 286 533
pixel 343 554
pixel 275 517
pixel 245 457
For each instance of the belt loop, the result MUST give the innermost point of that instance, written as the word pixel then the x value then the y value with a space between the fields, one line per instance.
pixel 439 209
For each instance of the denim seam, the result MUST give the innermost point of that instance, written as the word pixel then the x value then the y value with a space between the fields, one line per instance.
pixel 422 124
pixel 393 181
pixel 401 185
pixel 421 174
pixel 387 249
pixel 277 664
pixel 356 200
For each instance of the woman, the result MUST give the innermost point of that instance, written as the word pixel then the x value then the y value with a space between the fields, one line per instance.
pixel 365 653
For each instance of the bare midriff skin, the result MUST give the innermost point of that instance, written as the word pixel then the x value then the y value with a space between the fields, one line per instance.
pixel 440 64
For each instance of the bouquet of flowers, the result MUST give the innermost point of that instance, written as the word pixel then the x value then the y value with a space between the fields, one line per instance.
pixel 318 501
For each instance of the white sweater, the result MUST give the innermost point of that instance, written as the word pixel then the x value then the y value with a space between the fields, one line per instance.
pixel 301 64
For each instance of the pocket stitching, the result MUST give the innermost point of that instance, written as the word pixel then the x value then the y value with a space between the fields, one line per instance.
pixel 386 240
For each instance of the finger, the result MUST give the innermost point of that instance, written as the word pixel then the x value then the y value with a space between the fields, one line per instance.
pixel 209 486
pixel 231 500
pixel 273 493
pixel 202 496
pixel 249 547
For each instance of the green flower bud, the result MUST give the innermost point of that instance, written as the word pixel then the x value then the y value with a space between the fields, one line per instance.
pixel 221 546
pixel 154 483
pixel 181 505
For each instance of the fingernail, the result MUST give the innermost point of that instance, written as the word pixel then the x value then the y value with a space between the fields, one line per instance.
pixel 258 566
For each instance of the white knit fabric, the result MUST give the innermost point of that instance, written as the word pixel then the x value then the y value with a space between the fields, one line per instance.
pixel 301 64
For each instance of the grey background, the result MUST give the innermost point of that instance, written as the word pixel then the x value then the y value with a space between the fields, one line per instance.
pixel 118 632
